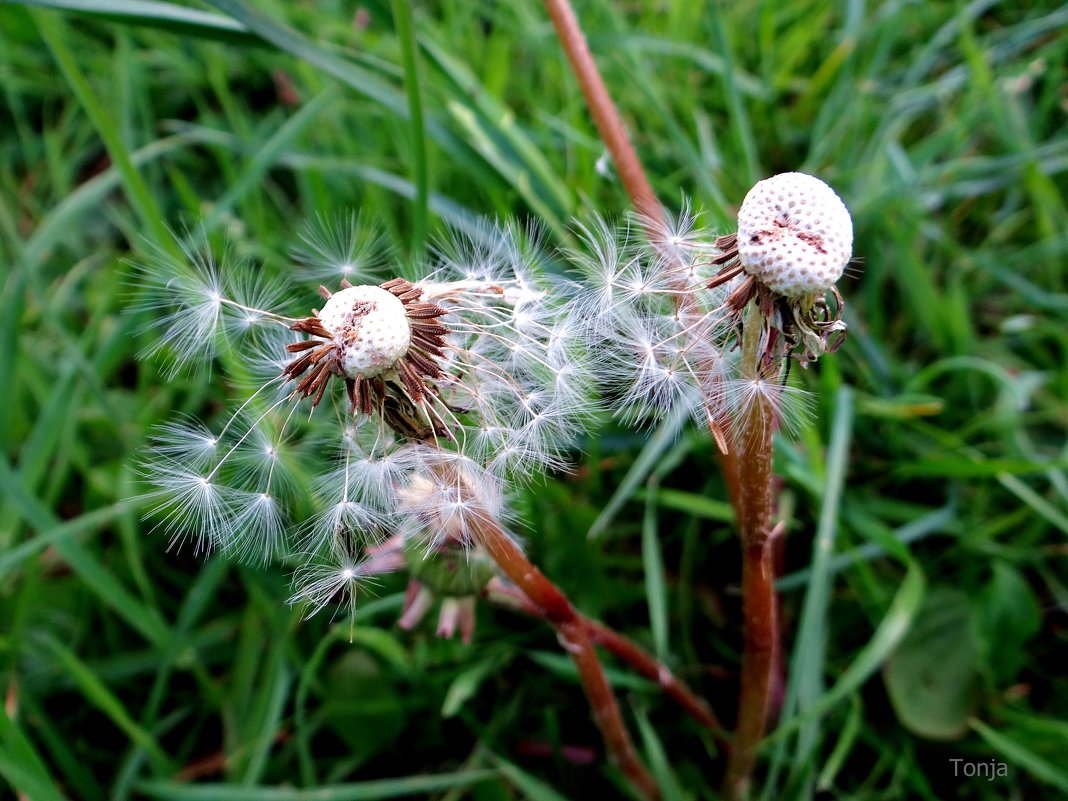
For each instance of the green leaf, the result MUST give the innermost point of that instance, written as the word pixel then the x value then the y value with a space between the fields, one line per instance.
pixel 369 720
pixel 1009 616
pixel 932 678
pixel 465 686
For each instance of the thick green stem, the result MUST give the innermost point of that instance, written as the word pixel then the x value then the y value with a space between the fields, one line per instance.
pixel 574 635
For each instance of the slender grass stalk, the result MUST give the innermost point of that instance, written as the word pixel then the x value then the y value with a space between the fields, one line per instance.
pixel 402 19
pixel 625 649
pixel 143 203
pixel 575 636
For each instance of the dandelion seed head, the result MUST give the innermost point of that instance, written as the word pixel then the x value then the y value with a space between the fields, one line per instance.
pixel 794 234
pixel 401 408
pixel 371 328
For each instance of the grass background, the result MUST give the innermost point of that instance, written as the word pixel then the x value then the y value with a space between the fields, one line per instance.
pixel 924 588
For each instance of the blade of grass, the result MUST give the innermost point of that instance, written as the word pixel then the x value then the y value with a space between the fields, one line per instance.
pixel 53 31
pixel 655 582
pixel 201 593
pixel 13 558
pixel 689 502
pixel 265 156
pixel 61 219
pixel 362 791
pixel 98 695
pixel 892 628
pixel 532 789
pixel 911 532
pixel 807 666
pixel 741 125
pixel 1022 757
pixel 659 761
pixel 647 460
pixel 502 121
pixel 402 20
pixel 449 210
pixel 363 81
pixel 162 16
pixel 21 765
pixel 90 570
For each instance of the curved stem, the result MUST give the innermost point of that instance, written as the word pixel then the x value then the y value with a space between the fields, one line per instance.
pixel 575 637
pixel 625 649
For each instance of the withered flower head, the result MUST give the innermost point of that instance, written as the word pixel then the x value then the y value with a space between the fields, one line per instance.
pixel 666 307
pixel 385 343
pixel 474 365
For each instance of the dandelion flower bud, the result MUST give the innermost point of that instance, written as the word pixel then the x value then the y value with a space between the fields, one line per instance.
pixel 794 234
pixel 371 328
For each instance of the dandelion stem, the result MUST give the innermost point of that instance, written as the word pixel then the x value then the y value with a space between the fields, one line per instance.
pixel 605 114
pixel 625 649
pixel 576 639
pixel 746 463
pixel 754 497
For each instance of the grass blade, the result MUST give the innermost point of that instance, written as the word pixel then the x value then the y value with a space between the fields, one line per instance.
pixel 402 20
pixel 362 791
pixel 164 16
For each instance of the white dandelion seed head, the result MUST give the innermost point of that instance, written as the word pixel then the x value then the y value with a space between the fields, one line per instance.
pixel 430 397
pixel 371 327
pixel 794 234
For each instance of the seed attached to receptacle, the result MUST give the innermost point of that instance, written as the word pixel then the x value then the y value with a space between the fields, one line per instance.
pixel 795 235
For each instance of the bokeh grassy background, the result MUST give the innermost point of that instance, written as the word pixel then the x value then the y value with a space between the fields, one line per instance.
pixel 930 626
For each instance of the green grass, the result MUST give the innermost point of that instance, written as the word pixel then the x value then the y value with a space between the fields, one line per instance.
pixel 930 487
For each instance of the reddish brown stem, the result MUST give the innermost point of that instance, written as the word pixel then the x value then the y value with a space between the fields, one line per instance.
pixel 575 637
pixel 758 659
pixel 605 115
pixel 626 649
pixel 756 425
pixel 746 463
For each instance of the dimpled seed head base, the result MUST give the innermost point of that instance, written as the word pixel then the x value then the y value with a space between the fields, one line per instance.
pixel 370 327
pixel 794 234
